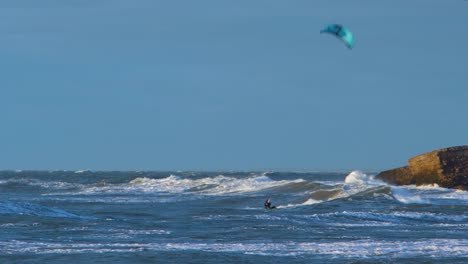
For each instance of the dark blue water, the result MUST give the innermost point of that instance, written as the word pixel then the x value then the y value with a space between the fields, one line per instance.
pixel 218 217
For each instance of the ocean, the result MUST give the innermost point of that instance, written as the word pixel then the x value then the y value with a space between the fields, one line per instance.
pixel 219 217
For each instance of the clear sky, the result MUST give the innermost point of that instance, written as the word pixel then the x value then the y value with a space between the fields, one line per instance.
pixel 232 85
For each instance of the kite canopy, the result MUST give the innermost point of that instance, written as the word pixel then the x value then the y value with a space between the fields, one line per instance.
pixel 340 32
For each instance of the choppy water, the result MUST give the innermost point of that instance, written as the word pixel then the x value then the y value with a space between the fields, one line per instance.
pixel 185 217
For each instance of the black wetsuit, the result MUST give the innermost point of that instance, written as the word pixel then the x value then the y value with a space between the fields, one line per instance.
pixel 268 205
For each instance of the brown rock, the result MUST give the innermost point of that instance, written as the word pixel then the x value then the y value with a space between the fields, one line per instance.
pixel 446 167
pixel 398 176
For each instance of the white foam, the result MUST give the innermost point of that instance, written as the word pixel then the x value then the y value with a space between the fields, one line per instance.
pixel 357 181
pixel 210 185
pixel 456 195
pixel 367 248
pixel 429 194
pixel 219 185
pixel 307 202
pixel 429 187
pixel 397 216
pixel 171 184
pixel 358 177
pixel 43 184
pixel 405 196
pixel 126 234
pixel 360 218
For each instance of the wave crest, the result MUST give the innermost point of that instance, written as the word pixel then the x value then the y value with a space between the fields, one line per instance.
pixel 210 185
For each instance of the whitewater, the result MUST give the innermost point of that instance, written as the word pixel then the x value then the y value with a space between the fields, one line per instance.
pixel 218 217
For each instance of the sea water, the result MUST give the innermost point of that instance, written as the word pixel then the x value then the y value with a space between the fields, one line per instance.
pixel 218 217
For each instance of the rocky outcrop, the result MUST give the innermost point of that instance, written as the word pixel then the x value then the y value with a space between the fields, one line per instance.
pixel 398 176
pixel 446 167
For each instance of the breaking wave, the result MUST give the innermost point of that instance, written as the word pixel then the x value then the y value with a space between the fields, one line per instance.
pixel 307 190
pixel 21 183
pixel 358 183
pixel 216 185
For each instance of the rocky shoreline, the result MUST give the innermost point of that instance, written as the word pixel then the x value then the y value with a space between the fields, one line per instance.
pixel 447 167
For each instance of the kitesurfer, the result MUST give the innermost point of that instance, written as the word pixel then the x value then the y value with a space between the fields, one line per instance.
pixel 267 204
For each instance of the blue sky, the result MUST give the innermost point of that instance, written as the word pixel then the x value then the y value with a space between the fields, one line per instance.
pixel 232 85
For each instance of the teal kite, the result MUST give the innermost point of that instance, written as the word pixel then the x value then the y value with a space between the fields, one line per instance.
pixel 340 32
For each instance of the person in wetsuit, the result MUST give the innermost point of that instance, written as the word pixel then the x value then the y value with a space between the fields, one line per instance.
pixel 267 204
